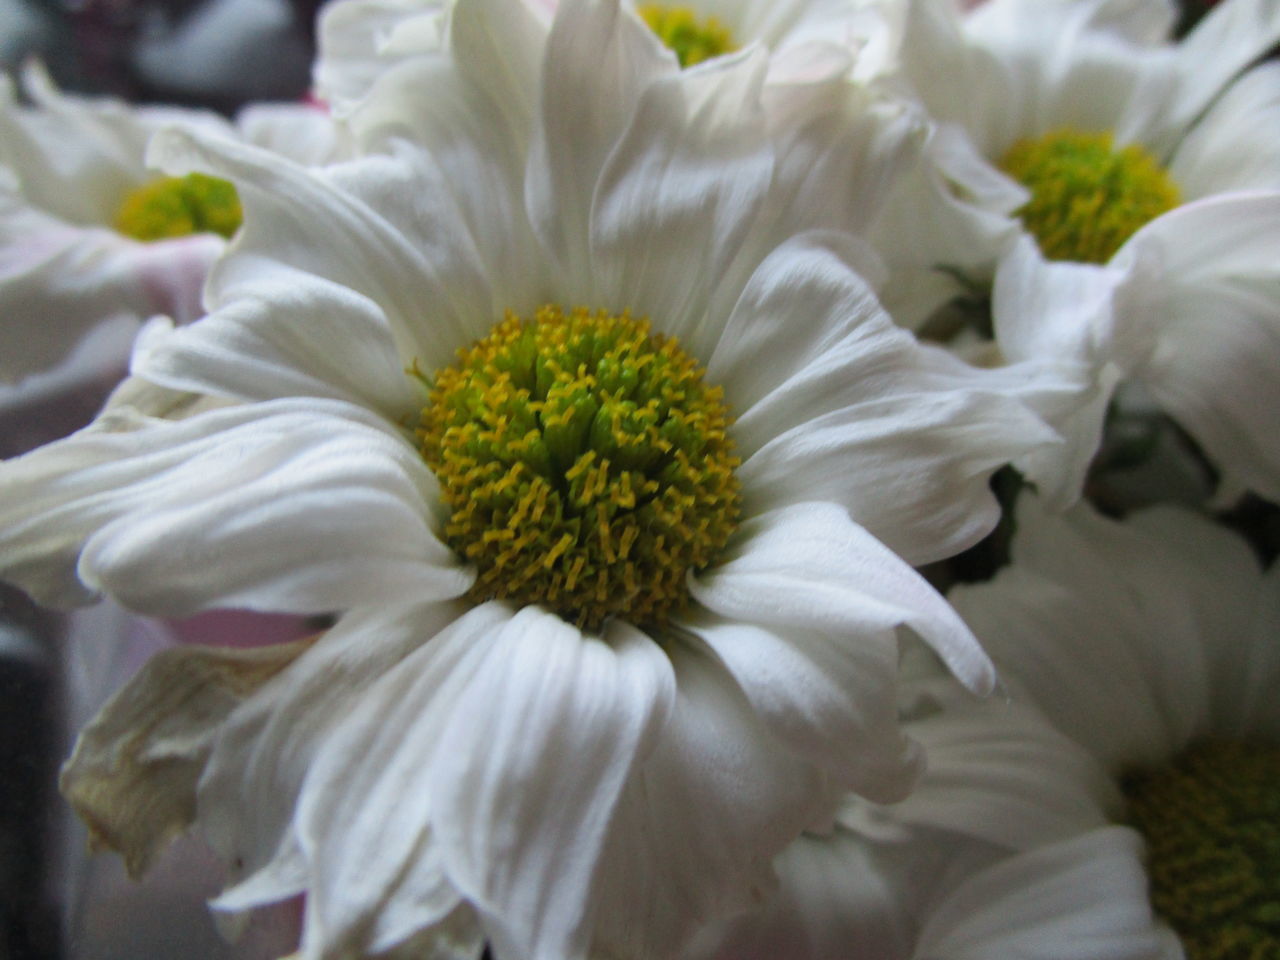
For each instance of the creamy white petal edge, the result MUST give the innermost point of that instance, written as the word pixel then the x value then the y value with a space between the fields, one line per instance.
pixel 1000 782
pixel 1137 638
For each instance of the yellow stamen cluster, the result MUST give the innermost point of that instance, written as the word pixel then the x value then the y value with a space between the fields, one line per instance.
pixel 692 39
pixel 1087 198
pixel 586 465
pixel 178 207
pixel 1211 820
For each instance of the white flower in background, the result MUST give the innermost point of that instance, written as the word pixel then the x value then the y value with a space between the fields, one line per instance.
pixel 1150 648
pixel 88 234
pixel 1003 795
pixel 1153 173
pixel 1152 644
pixel 619 574
pixel 359 40
pixel 807 40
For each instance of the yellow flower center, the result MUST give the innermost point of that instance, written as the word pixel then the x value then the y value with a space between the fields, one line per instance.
pixel 1087 198
pixel 179 207
pixel 693 39
pixel 586 465
pixel 1212 824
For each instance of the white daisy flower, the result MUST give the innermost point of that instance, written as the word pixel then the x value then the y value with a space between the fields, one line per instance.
pixel 807 40
pixel 1003 791
pixel 1152 644
pixel 89 234
pixel 619 574
pixel 1153 174
pixel 1149 646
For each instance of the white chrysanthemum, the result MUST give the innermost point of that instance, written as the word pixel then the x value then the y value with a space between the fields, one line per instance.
pixel 1152 644
pixel 1153 171
pixel 486 749
pixel 89 234
pixel 807 40
pixel 1004 793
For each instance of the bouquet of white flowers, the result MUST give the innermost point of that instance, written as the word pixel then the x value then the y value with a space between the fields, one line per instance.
pixel 766 469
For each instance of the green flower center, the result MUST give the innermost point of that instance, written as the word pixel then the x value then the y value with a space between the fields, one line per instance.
pixel 1087 198
pixel 585 463
pixel 693 39
pixel 1212 824
pixel 179 207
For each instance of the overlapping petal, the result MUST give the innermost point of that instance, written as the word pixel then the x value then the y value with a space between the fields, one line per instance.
pixel 246 506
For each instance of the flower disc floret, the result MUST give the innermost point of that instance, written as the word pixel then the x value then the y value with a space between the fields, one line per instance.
pixel 1211 820
pixel 178 207
pixel 691 38
pixel 586 465
pixel 1087 198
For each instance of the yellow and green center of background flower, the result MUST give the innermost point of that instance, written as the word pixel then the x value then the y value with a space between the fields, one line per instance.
pixel 178 207
pixel 693 39
pixel 585 463
pixel 1211 820
pixel 1087 197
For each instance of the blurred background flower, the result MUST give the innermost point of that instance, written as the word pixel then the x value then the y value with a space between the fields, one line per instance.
pixel 55 671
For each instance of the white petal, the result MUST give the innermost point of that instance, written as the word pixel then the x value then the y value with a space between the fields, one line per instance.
pixel 1081 899
pixel 1068 73
pixel 1229 38
pixel 809 283
pixel 1105 641
pixel 476 126
pixel 1214 328
pixel 293 506
pixel 290 335
pixel 363 821
pixel 904 437
pixel 676 199
pixel 1044 308
pixel 999 773
pixel 961 82
pixel 703 815
pixel 831 699
pixel 530 769
pixel 300 131
pixel 810 566
pixel 75 157
pixel 382 227
pixel 951 212
pixel 834 901
pixel 1233 606
pixel 1236 144
pixel 841 149
pixel 267 747
pixel 354 36
pixel 579 124
pixel 1063 313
